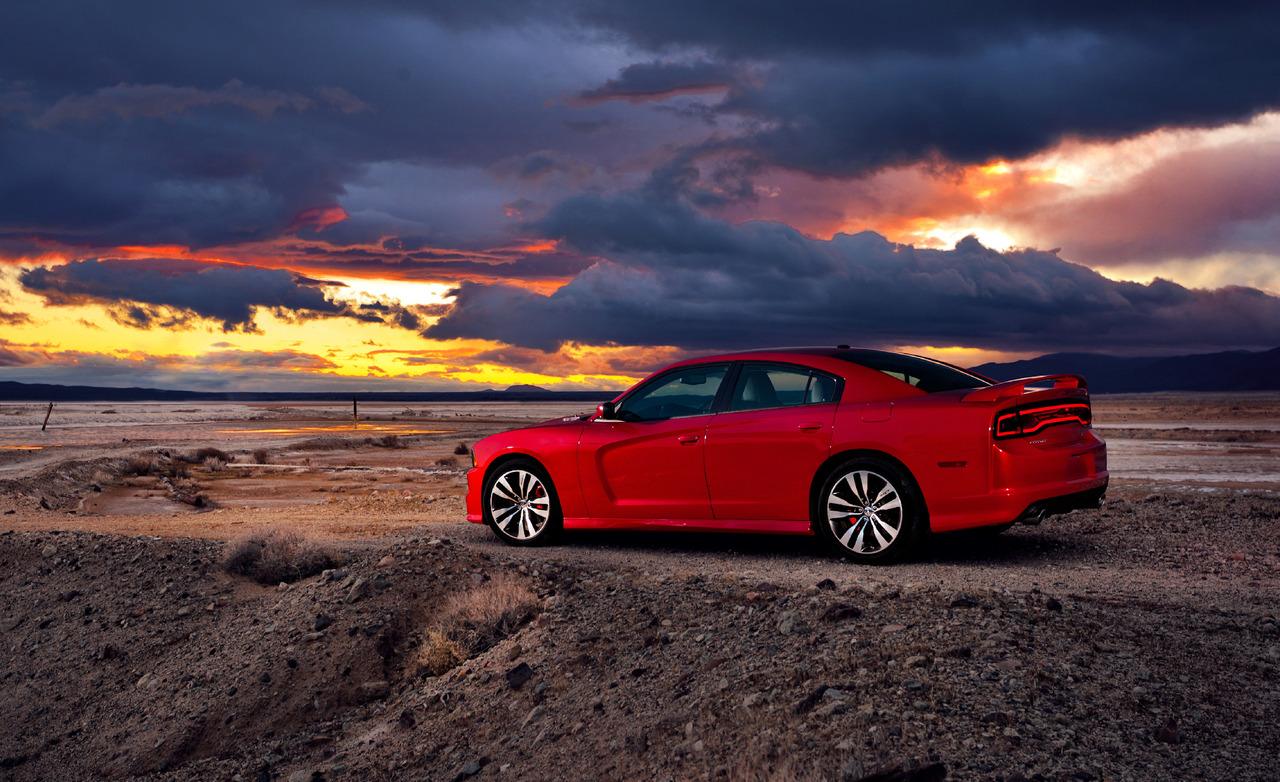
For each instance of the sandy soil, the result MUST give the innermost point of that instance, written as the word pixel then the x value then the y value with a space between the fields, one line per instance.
pixel 1137 642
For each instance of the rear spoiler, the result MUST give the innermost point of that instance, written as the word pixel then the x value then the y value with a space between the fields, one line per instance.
pixel 1015 388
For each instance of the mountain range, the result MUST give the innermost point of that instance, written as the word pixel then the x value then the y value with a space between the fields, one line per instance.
pixel 1236 370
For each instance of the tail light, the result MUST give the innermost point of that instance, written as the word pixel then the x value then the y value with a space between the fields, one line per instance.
pixel 1026 421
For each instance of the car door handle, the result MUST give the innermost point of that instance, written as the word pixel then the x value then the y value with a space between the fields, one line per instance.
pixel 687 439
pixel 809 427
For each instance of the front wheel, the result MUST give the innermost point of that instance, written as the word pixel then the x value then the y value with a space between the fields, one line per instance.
pixel 520 503
pixel 870 511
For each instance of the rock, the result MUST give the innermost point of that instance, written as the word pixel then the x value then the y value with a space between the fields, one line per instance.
pixel 1053 604
pixel 1168 733
pixel 787 624
pixel 322 622
pixel 752 700
pixel 468 769
pixel 826 585
pixel 49 549
pixel 964 601
pixel 381 582
pixel 934 772
pixel 1001 718
pixel 360 589
pixel 386 561
pixel 303 776
pixel 514 652
pixel 518 676
pixel 534 715
pixel 807 703
pixel 895 628
pixel 375 690
pixel 407 720
pixel 841 612
pixel 916 661
pixel 959 652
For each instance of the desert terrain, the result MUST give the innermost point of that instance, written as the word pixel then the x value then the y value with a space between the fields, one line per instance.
pixel 278 592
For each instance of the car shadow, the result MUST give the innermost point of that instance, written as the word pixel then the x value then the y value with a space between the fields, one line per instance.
pixel 1018 547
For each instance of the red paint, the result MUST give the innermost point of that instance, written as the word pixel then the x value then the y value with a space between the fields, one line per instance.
pixel 753 470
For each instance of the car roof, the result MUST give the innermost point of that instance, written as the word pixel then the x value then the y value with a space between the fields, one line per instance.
pixel 843 352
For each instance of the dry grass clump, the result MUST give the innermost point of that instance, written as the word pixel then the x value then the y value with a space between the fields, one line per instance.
pixel 207 454
pixel 473 621
pixel 447 462
pixel 461 449
pixel 261 456
pixel 153 464
pixel 277 556
pixel 334 443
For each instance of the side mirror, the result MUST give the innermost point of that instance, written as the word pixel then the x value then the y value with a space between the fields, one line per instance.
pixel 606 411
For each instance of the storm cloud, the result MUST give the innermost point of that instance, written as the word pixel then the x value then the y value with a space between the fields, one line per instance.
pixel 224 293
pixel 679 278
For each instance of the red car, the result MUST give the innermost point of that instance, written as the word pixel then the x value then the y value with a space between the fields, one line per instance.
pixel 868 449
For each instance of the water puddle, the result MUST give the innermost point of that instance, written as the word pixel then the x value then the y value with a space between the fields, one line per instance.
pixel 369 428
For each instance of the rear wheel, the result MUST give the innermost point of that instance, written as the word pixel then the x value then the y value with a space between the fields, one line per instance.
pixel 870 511
pixel 520 503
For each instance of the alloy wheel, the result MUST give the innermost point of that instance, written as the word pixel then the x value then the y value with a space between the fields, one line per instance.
pixel 864 512
pixel 519 504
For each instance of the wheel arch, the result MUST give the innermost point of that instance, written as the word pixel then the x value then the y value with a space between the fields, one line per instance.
pixel 511 456
pixel 836 459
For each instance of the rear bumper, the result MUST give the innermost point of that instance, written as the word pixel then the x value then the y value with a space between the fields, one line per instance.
pixel 1090 499
pixel 1060 471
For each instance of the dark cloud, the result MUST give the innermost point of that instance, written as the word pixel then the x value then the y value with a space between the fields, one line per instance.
pixel 142 291
pixel 646 81
pixel 678 278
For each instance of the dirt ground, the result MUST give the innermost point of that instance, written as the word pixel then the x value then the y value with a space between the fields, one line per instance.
pixel 1137 642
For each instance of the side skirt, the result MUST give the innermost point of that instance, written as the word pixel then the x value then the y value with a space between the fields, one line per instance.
pixel 695 525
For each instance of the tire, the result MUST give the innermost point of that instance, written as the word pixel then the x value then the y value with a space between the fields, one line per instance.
pixel 516 494
pixel 870 511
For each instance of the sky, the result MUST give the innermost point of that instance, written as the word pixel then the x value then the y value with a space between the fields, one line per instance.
pixel 395 195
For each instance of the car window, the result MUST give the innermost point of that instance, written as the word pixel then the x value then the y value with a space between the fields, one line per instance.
pixel 685 392
pixel 763 385
pixel 927 375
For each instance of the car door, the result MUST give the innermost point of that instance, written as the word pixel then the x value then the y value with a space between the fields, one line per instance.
pixel 764 447
pixel 647 463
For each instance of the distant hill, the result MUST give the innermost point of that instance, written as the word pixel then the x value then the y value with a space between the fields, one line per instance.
pixel 1236 370
pixel 44 392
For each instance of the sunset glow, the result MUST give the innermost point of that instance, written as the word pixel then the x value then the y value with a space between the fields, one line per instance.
pixel 623 207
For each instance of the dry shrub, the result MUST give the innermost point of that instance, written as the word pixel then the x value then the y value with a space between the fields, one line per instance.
pixel 141 464
pixel 328 443
pixel 461 449
pixel 471 622
pixel 214 464
pixel 388 441
pixel 261 456
pixel 275 556
pixel 439 653
pixel 203 455
pixel 447 461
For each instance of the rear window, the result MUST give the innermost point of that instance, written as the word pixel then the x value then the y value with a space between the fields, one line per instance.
pixel 925 374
